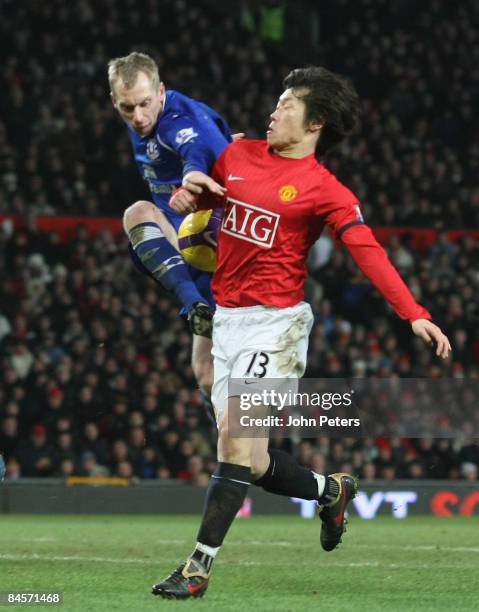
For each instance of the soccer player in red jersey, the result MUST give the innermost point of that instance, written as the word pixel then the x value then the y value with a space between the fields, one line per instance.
pixel 278 198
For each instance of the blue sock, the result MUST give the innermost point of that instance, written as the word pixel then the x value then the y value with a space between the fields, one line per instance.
pixel 163 262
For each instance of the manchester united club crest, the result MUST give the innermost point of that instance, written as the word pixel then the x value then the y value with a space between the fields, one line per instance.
pixel 287 193
pixel 152 149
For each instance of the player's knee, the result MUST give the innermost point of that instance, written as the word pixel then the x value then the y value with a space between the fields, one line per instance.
pixel 141 211
pixel 232 450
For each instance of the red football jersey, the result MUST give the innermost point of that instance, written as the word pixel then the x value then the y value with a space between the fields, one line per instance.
pixel 275 208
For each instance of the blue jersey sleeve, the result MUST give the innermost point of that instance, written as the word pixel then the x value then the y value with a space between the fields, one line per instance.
pixel 199 144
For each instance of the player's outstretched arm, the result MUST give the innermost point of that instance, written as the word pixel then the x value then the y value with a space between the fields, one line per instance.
pixel 432 334
pixel 373 261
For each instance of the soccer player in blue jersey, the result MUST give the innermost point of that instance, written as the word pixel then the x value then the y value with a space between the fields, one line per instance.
pixel 173 138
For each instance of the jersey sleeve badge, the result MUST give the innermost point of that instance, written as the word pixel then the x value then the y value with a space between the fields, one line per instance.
pixel 185 135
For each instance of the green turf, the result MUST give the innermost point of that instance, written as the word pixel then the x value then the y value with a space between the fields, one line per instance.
pixel 269 563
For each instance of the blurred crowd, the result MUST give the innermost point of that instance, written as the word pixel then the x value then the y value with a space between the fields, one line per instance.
pixel 412 162
pixel 95 375
pixel 97 379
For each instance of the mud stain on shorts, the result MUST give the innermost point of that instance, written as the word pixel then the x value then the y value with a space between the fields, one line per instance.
pixel 287 359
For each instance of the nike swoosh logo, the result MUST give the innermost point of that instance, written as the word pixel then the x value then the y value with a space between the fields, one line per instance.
pixel 194 588
pixel 235 178
pixel 250 382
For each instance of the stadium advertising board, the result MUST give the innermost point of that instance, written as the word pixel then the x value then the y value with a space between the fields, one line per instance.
pixel 398 499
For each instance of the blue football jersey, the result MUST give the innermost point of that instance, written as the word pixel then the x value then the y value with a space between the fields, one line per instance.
pixel 189 135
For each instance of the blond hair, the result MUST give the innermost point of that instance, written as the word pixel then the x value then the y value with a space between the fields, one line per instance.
pixel 127 69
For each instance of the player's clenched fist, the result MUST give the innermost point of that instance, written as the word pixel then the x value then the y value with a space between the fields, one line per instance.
pixel 183 201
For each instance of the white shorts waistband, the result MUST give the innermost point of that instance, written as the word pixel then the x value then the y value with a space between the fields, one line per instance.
pixel 242 310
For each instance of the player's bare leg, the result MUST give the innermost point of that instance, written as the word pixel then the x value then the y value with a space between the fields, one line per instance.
pixel 202 363
pixel 240 460
pixel 225 496
pixel 144 211
pixel 154 246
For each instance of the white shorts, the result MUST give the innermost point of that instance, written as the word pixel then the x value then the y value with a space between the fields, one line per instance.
pixel 258 342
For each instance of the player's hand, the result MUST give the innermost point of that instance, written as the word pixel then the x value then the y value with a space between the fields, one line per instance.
pixel 238 136
pixel 196 181
pixel 432 334
pixel 183 201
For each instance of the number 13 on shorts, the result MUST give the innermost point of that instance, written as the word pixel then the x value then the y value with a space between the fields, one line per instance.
pixel 258 365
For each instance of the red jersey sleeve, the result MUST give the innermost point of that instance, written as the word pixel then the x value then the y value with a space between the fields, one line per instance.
pixel 342 214
pixel 374 263
pixel 338 205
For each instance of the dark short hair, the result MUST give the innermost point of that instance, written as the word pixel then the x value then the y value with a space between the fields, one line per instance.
pixel 330 99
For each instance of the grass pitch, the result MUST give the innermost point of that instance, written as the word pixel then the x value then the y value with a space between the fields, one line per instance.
pixel 268 563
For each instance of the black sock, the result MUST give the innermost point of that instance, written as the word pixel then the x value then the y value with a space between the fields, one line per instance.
pixel 225 496
pixel 285 476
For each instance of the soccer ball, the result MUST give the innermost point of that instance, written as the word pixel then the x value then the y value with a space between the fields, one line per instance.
pixel 197 238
